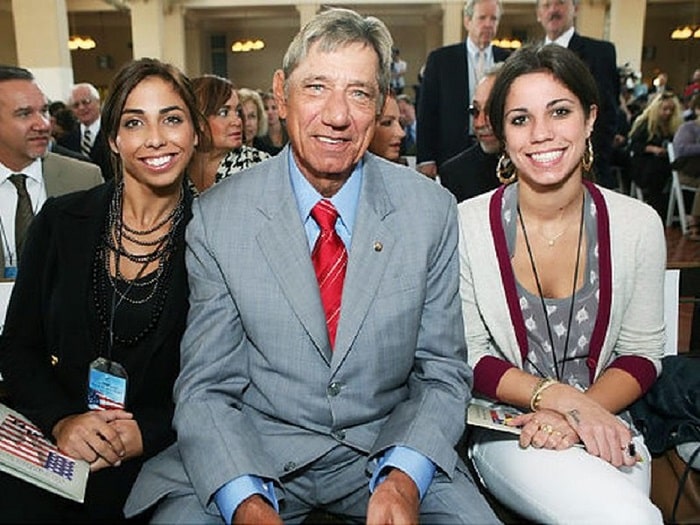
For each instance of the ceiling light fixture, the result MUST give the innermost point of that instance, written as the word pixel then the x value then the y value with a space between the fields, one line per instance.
pixel 81 42
pixel 243 46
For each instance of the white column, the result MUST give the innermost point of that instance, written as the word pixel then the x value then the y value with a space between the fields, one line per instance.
pixel 307 11
pixel 627 30
pixel 174 36
pixel 147 28
pixel 41 36
pixel 590 20
pixel 452 21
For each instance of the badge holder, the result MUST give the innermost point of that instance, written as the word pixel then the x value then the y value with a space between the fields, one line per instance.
pixel 106 385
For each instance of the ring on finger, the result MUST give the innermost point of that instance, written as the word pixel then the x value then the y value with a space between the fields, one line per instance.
pixel 547 428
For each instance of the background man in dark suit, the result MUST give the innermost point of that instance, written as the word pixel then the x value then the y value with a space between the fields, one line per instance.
pixel 409 124
pixel 473 171
pixel 451 73
pixel 85 103
pixel 557 20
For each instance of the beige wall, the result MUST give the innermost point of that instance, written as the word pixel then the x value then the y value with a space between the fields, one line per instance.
pixel 8 49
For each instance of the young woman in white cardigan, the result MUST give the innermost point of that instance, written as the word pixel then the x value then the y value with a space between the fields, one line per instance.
pixel 562 294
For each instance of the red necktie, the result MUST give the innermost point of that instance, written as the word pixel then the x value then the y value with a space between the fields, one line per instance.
pixel 330 258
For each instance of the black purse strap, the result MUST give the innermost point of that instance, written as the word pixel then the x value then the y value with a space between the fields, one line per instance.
pixel 682 481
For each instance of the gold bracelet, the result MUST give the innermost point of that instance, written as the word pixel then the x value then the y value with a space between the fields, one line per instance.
pixel 542 385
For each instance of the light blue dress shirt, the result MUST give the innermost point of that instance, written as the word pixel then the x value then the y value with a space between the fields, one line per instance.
pixel 416 465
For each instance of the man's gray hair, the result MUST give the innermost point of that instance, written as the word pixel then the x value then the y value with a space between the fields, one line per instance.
pixel 92 89
pixel 335 28
pixel 470 5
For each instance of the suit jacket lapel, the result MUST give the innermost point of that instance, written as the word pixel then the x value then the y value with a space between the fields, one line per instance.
pixel 283 242
pixel 372 244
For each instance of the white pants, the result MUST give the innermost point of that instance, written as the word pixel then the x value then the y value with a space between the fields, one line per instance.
pixel 568 487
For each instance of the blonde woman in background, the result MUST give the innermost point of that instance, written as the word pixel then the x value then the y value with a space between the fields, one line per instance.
pixel 388 132
pixel 224 153
pixel 254 118
pixel 649 136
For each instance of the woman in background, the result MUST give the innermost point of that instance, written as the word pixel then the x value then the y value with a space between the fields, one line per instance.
pixel 388 132
pixel 223 153
pixel 651 132
pixel 102 286
pixel 276 137
pixel 254 119
pixel 562 297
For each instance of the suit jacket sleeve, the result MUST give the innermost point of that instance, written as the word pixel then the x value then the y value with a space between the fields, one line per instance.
pixel 431 419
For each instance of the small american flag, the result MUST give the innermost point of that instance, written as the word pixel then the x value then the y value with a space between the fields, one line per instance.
pixel 25 441
pixel 98 401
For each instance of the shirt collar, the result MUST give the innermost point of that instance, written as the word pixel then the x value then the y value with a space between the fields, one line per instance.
pixel 472 49
pixel 345 201
pixel 33 171
pixel 563 39
pixel 94 128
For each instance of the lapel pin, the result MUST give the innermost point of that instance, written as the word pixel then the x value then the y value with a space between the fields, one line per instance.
pixel 54 360
pixel 378 246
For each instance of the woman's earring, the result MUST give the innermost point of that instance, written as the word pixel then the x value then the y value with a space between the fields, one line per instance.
pixel 505 170
pixel 588 156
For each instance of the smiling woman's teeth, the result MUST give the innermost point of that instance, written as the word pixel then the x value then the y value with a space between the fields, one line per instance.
pixel 159 161
pixel 546 157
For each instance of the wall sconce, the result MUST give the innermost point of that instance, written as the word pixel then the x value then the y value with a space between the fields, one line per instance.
pixel 684 33
pixel 507 43
pixel 243 46
pixel 80 42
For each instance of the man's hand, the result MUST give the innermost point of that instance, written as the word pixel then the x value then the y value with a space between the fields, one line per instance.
pixel 395 501
pixel 256 510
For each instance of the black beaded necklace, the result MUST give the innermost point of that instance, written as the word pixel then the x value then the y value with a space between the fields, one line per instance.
pixel 559 373
pixel 111 291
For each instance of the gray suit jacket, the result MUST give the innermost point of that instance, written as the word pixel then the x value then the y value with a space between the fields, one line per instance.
pixel 260 391
pixel 65 175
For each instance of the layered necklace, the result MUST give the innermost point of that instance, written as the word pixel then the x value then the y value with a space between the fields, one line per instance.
pixel 114 290
pixel 559 373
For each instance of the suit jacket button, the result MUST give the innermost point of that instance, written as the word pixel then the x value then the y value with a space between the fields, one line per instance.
pixel 289 466
pixel 339 434
pixel 333 389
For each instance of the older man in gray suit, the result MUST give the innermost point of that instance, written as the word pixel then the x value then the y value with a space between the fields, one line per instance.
pixel 29 174
pixel 324 362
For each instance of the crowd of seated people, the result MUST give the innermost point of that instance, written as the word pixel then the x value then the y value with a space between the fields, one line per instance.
pixel 558 318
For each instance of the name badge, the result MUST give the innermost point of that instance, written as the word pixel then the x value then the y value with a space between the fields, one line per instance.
pixel 106 385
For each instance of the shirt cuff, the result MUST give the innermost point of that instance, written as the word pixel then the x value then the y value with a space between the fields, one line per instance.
pixel 232 494
pixel 420 469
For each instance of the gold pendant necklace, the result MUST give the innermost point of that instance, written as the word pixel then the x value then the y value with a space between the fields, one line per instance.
pixel 552 240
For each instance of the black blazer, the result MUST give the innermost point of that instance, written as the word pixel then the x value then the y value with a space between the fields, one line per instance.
pixel 600 57
pixel 51 330
pixel 470 173
pixel 99 154
pixel 443 117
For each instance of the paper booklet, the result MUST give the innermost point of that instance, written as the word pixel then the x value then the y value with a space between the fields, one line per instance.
pixel 488 414
pixel 26 454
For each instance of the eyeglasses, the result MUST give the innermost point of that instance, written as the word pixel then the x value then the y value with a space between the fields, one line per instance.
pixel 474 111
pixel 81 102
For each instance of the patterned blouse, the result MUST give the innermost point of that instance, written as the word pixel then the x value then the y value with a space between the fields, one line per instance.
pixel 235 160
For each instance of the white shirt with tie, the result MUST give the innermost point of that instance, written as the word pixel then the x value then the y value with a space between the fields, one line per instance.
pixel 8 204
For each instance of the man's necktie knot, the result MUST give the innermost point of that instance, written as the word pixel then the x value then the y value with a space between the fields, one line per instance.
pixel 330 259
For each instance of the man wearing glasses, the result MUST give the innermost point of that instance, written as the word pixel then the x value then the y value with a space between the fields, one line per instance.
pixel 473 171
pixel 89 140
